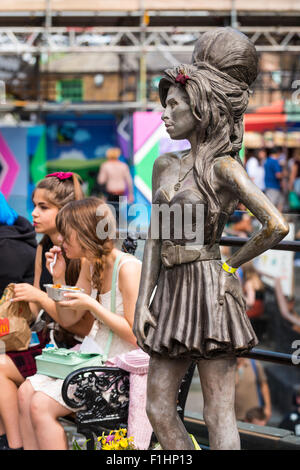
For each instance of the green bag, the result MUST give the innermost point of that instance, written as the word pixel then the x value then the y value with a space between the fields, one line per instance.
pixel 59 362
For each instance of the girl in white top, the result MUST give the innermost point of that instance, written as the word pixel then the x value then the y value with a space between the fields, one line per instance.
pixel 40 398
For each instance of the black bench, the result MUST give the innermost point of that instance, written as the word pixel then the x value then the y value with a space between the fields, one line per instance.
pixel 102 395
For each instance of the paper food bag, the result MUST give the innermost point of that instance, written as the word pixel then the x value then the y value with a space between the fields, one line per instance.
pixel 15 318
pixel 14 309
pixel 15 333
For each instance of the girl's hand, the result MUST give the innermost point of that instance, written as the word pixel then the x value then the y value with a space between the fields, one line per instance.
pixel 230 284
pixel 59 269
pixel 142 317
pixel 77 301
pixel 26 292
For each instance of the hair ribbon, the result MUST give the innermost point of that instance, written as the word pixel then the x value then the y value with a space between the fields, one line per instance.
pixel 61 175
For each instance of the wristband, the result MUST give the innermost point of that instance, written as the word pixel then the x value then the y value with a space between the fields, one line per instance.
pixel 228 269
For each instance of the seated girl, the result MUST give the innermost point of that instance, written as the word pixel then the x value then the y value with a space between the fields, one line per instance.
pixel 50 195
pixel 40 399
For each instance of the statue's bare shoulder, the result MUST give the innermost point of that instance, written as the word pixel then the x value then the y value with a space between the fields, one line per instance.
pixel 164 161
pixel 230 173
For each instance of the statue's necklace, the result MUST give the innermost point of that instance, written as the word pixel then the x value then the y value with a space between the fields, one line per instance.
pixel 178 184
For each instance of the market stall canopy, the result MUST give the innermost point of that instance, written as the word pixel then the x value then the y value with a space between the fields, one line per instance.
pixel 266 118
pixel 282 115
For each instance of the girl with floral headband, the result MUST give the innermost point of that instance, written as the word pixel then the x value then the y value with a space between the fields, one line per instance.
pixel 40 397
pixel 50 194
pixel 198 311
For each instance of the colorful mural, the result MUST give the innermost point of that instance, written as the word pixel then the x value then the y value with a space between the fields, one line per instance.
pixel 79 143
pixel 37 157
pixel 14 169
pixel 150 139
pixel 63 143
pixel 9 167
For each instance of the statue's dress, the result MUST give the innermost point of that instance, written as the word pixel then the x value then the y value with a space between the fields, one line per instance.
pixel 190 320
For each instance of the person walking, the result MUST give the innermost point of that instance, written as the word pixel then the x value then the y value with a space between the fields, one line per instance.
pixel 273 176
pixel 255 168
pixel 116 177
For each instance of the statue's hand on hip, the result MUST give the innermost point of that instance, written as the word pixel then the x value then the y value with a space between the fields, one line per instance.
pixel 230 284
pixel 142 318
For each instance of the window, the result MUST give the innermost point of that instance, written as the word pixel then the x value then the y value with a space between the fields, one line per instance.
pixel 69 90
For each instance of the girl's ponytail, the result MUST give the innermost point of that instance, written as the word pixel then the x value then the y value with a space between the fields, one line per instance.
pixel 77 181
pixel 62 187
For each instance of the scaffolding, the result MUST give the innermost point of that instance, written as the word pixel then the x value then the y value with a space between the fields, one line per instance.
pixel 121 40
pixel 137 31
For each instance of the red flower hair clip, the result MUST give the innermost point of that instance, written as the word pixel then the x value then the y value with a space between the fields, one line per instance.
pixel 182 78
pixel 61 175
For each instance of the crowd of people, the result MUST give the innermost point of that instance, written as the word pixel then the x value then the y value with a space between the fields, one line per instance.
pixel 30 403
pixel 277 175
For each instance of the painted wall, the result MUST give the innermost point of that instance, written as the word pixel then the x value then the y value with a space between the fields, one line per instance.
pixel 150 139
pixel 14 166
pixel 63 143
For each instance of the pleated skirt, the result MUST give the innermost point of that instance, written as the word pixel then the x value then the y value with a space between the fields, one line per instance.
pixel 190 320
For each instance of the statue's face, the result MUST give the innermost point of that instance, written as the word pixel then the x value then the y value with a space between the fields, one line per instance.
pixel 177 116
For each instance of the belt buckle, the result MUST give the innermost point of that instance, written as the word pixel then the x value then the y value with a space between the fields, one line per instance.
pixel 166 253
pixel 197 248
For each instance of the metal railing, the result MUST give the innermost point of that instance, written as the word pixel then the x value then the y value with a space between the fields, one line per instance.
pixel 271 356
pixel 284 245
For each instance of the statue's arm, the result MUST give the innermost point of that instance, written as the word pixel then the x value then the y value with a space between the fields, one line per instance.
pixel 150 269
pixel 233 177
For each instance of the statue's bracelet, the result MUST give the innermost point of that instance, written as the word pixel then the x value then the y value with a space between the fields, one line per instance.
pixel 228 268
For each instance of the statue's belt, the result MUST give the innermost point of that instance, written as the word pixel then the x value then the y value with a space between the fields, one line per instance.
pixel 172 254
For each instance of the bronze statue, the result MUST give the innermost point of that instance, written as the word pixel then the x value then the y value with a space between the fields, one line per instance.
pixel 198 309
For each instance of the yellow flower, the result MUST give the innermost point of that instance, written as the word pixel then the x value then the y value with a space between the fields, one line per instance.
pixel 106 447
pixel 116 440
pixel 123 443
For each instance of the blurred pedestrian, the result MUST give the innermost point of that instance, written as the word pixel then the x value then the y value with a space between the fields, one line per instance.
pixel 294 179
pixel 240 222
pixel 251 388
pixel 254 290
pixel 286 305
pixel 116 177
pixel 291 421
pixel 256 416
pixel 273 176
pixel 255 168
pixel 282 158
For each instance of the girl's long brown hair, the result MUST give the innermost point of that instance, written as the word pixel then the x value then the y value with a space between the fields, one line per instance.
pixel 84 217
pixel 59 193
